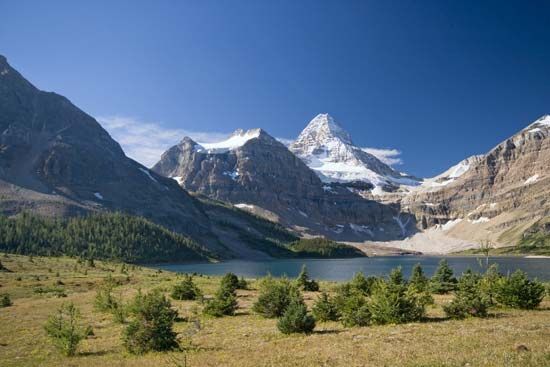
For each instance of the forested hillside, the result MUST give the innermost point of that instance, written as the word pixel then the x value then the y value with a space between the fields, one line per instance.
pixel 111 236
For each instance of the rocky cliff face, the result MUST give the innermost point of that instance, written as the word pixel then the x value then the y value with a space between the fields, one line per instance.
pixel 56 160
pixel 494 196
pixel 257 173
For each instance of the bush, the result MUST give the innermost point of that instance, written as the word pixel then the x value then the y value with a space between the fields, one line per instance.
pixel 104 299
pixel 489 283
pixel 296 319
pixel 418 281
pixel 151 327
pixel 230 282
pixel 243 284
pixel 469 300
pixel 324 309
pixel 353 308
pixel 305 283
pixel 64 329
pixel 392 302
pixel 186 290
pixel 518 291
pixel 223 304
pixel 443 280
pixel 5 300
pixel 362 284
pixel 275 296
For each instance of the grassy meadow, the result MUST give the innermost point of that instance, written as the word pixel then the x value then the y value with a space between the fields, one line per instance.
pixel 39 285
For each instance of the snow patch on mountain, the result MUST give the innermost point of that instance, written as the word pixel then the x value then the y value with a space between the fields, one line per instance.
pixel 148 174
pixel 236 140
pixel 450 175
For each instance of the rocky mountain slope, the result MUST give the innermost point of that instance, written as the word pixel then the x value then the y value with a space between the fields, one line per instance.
pixel 55 160
pixel 495 196
pixel 255 172
pixel 324 184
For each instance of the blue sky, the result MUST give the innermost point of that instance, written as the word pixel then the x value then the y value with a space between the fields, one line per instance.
pixel 437 80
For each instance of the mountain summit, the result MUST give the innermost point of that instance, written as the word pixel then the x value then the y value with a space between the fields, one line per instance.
pixel 329 150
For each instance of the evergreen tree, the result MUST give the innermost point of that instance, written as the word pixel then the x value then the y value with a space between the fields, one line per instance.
pixel 296 319
pixel 230 282
pixel 224 302
pixel 5 300
pixel 392 302
pixel 65 330
pixel 305 283
pixel 396 277
pixel 186 290
pixel 353 308
pixel 518 291
pixel 152 326
pixel 489 283
pixel 443 280
pixel 469 299
pixel 275 296
pixel 325 309
pixel 418 281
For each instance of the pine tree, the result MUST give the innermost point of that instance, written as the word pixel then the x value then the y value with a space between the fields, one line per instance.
pixel 186 290
pixel 418 281
pixel 469 300
pixel 518 291
pixel 64 329
pixel 5 300
pixel 224 302
pixel 296 319
pixel 443 280
pixel 325 309
pixel 305 283
pixel 152 326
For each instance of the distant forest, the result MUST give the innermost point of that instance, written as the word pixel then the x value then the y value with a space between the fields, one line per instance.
pixel 112 236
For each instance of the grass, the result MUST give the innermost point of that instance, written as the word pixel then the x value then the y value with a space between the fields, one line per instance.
pixel 247 339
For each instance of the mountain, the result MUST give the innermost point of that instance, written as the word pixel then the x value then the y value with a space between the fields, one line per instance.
pixel 57 161
pixel 257 173
pixel 495 196
pixel 329 150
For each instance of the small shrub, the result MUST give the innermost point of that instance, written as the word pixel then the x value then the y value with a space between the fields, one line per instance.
pixel 489 283
pixel 362 284
pixel 275 296
pixel 443 280
pixel 5 300
pixel 469 299
pixel 151 327
pixel 243 284
pixel 324 309
pixel 305 283
pixel 186 290
pixel 104 300
pixel 230 282
pixel 518 291
pixel 64 329
pixel 353 309
pixel 296 319
pixel 223 304
pixel 395 303
pixel 418 281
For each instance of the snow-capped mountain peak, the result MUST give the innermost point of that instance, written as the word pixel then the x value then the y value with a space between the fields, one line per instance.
pixel 329 150
pixel 322 129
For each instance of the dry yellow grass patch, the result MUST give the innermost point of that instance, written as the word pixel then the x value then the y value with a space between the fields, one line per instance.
pixel 247 339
